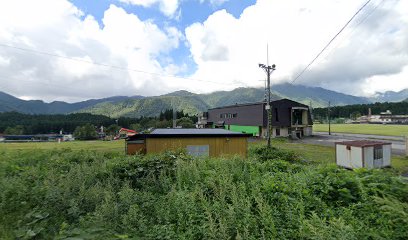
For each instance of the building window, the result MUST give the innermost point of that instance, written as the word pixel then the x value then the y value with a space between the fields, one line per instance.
pixel 198 150
pixel 378 152
pixel 234 115
pixel 278 132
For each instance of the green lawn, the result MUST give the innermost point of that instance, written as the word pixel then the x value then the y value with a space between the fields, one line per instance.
pixel 374 129
pixel 326 155
pixel 102 146
pixel 314 153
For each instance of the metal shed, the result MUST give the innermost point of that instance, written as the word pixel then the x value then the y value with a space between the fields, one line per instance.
pixel 197 142
pixel 363 154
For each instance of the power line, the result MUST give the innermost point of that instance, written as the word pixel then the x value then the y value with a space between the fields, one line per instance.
pixel 328 44
pixel 357 25
pixel 110 66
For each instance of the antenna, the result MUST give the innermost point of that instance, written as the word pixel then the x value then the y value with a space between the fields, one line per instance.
pixel 267 54
pixel 267 63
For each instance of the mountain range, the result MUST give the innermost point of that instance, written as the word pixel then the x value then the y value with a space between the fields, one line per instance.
pixel 136 106
pixel 390 96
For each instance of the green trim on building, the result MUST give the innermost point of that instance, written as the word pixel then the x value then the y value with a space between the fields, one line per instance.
pixel 254 130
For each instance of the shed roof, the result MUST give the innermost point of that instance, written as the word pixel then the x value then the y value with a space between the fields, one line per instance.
pixel 127 130
pixel 185 132
pixel 363 143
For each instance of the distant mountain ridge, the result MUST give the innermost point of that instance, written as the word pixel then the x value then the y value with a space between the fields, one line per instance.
pixel 391 96
pixel 9 103
pixel 191 103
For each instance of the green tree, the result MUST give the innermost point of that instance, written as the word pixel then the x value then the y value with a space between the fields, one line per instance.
pixel 137 127
pixel 185 122
pixel 86 132
pixel 112 130
pixel 17 130
pixel 355 115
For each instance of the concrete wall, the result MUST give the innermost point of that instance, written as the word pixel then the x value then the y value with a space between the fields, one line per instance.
pixel 368 157
pixel 284 132
pixel 387 155
pixel 308 131
pixel 349 158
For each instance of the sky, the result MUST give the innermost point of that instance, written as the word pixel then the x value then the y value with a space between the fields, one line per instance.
pixel 61 50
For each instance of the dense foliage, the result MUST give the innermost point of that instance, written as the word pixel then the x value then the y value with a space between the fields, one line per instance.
pixel 19 123
pixel 274 194
pixel 86 132
pixel 351 111
pixel 35 124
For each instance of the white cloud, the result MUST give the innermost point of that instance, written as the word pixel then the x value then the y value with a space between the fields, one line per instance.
pixel 124 41
pixel 167 7
pixel 4 61
pixel 215 3
pixel 228 50
pixel 364 59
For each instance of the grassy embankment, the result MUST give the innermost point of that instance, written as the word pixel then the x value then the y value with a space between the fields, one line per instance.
pixel 319 154
pixel 373 129
pixel 61 191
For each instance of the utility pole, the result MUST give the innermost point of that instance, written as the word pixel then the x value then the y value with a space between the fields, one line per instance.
pixel 328 110
pixel 174 118
pixel 268 70
pixel 311 110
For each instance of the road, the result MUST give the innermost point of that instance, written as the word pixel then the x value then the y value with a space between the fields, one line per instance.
pixel 320 138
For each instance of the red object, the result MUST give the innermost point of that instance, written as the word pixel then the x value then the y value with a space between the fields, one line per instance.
pixel 128 130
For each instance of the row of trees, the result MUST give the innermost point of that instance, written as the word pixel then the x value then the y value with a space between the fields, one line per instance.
pixel 354 111
pixel 82 124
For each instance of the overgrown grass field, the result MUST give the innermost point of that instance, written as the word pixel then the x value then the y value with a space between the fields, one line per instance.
pixel 373 129
pixel 293 191
pixel 100 146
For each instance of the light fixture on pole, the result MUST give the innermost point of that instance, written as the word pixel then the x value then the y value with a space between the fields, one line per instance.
pixel 268 70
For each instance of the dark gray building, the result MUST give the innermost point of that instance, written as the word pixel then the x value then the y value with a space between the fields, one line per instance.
pixel 288 117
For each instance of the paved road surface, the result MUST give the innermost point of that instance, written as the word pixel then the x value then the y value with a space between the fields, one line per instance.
pixel 398 144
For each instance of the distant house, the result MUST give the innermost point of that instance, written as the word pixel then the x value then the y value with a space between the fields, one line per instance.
pixel 124 132
pixel 383 118
pixel 196 142
pixel 33 138
pixel 363 154
pixel 288 118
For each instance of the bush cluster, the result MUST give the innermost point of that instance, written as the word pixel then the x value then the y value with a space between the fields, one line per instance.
pixel 66 194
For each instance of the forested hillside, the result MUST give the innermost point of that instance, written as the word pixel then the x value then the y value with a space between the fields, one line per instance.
pixel 9 103
pixel 19 123
pixel 35 124
pixel 317 96
pixel 362 109
pixel 191 103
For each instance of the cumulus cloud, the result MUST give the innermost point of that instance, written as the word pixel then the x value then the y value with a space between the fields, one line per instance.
pixel 123 40
pixel 228 49
pixel 367 57
pixel 167 7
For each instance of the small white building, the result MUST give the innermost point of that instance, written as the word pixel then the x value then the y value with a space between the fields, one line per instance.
pixel 363 154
